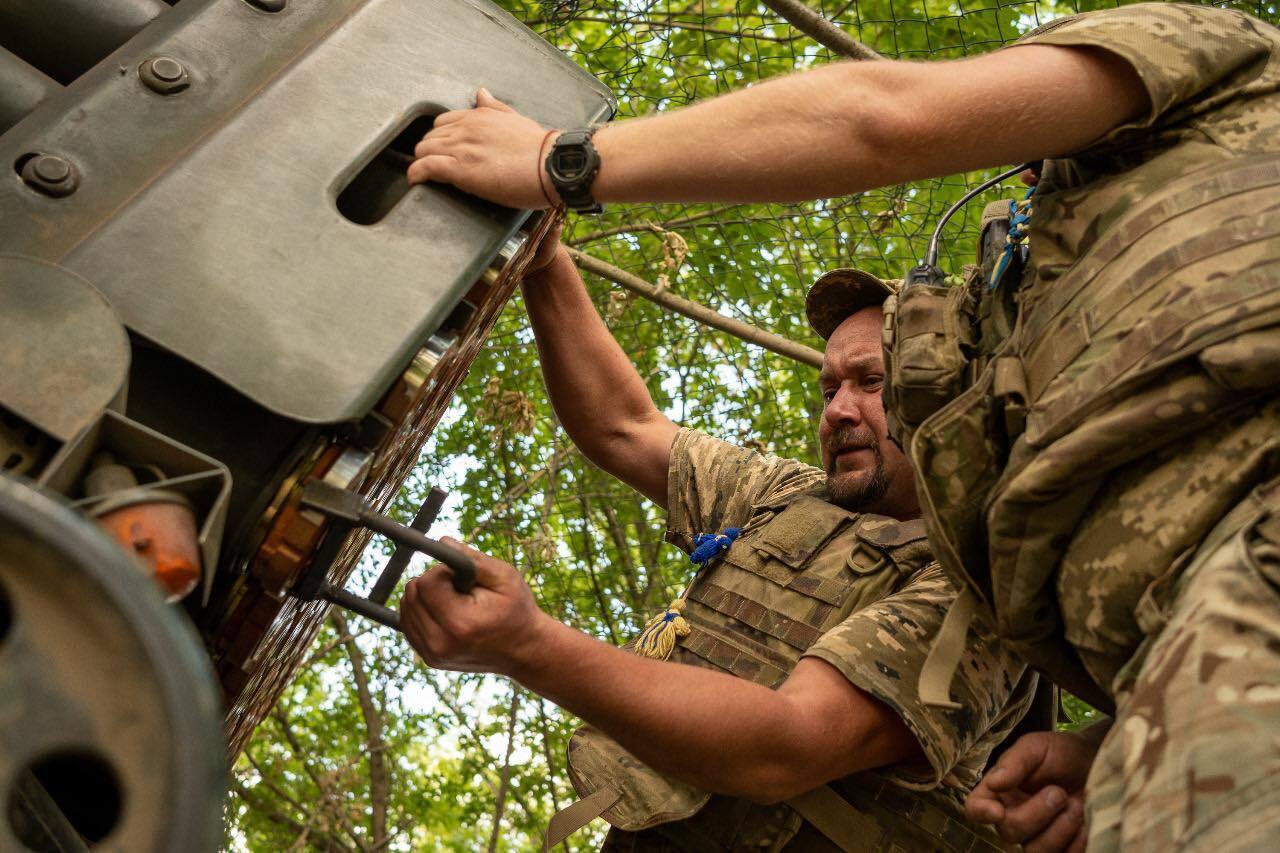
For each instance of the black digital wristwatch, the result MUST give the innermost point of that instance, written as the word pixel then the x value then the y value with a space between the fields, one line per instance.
pixel 572 165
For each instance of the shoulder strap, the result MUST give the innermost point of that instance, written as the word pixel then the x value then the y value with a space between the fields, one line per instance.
pixel 944 656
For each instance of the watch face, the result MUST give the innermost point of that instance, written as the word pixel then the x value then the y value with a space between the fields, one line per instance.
pixel 571 163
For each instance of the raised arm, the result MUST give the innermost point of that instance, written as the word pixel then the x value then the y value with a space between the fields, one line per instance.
pixel 836 130
pixel 600 399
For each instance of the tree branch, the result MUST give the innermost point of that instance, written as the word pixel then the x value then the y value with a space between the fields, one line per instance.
pixel 818 28
pixel 327 798
pixel 521 488
pixel 669 225
pixel 504 778
pixel 326 842
pixel 379 780
pixel 744 331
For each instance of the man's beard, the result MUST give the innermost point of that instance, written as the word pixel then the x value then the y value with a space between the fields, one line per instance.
pixel 856 490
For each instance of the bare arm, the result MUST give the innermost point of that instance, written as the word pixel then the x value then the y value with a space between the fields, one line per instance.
pixel 600 399
pixel 721 733
pixel 836 130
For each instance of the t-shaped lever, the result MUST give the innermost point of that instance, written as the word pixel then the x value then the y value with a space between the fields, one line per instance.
pixel 347 510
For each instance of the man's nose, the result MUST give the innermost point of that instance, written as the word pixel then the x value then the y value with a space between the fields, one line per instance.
pixel 844 407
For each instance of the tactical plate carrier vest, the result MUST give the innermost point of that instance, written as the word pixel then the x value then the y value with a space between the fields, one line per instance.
pixel 801 567
pixel 1012 421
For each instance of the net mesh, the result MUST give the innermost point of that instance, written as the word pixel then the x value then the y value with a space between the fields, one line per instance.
pixel 593 550
pixel 530 497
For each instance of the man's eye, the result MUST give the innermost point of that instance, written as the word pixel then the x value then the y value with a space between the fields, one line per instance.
pixel 873 381
pixel 828 396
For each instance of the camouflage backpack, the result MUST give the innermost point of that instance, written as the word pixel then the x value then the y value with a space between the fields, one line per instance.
pixel 1016 406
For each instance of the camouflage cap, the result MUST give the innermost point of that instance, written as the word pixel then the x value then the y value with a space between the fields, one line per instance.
pixel 840 293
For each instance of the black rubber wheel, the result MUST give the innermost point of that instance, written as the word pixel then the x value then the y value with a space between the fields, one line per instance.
pixel 110 721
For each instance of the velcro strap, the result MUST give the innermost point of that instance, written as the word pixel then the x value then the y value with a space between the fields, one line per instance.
pixel 1156 339
pixel 574 816
pixel 948 648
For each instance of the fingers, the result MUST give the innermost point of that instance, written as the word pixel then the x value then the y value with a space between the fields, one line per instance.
pixel 1066 831
pixel 420 628
pixel 434 167
pixel 490 571
pixel 1017 764
pixel 488 101
pixel 983 806
pixel 446 119
pixel 1036 815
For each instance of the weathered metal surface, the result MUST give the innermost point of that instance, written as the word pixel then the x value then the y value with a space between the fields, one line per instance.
pixel 107 694
pixel 290 627
pixel 63 38
pixel 22 88
pixel 63 354
pixel 266 285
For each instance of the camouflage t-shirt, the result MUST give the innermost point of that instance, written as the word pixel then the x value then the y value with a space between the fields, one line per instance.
pixel 880 648
pixel 1213 80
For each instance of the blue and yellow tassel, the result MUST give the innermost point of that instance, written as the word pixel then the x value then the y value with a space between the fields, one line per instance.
pixel 658 639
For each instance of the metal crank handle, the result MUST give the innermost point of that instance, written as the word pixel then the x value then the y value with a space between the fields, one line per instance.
pixel 352 509
pixel 464 568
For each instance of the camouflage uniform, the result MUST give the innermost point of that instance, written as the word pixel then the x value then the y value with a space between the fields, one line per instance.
pixel 1107 482
pixel 806 578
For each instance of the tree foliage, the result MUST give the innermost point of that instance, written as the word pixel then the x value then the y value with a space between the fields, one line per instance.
pixel 370 751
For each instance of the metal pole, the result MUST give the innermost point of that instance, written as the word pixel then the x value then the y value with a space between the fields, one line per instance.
pixel 65 38
pixel 22 88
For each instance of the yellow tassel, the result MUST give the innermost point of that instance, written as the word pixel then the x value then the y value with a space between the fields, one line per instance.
pixel 660 633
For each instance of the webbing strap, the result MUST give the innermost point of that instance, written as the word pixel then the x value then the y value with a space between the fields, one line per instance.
pixel 948 648
pixel 574 816
pixel 797 634
pixel 847 827
pixel 1178 199
pixel 878 818
pixel 1052 354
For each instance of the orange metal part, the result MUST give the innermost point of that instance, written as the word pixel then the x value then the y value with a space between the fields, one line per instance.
pixel 162 534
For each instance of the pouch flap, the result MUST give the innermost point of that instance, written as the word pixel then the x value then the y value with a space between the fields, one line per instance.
pixel 889 533
pixel 648 798
pixel 800 530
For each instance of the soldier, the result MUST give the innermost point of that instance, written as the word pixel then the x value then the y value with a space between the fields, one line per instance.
pixel 1103 477
pixel 803 631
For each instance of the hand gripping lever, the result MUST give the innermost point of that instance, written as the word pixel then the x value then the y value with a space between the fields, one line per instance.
pixel 346 511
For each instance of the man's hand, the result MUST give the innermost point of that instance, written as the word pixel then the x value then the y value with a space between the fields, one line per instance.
pixel 489 629
pixel 1035 793
pixel 490 151
pixel 547 251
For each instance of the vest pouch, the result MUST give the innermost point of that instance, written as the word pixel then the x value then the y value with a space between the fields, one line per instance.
pixel 927 354
pixel 647 798
pixel 785 550
pixel 958 463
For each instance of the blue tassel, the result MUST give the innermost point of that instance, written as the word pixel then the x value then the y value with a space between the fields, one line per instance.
pixel 1019 218
pixel 708 546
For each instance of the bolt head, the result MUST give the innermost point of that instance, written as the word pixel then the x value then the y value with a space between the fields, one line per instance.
pixel 53 170
pixel 166 68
